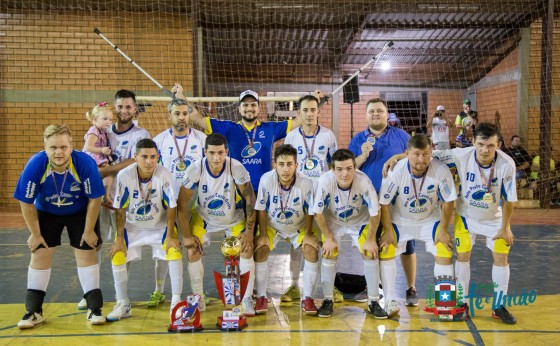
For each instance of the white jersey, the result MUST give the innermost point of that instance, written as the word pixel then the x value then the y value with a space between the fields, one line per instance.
pixel 440 130
pixel 325 146
pixel 217 203
pixel 418 201
pixel 297 202
pixel 471 201
pixel 123 145
pixel 169 154
pixel 143 212
pixel 351 207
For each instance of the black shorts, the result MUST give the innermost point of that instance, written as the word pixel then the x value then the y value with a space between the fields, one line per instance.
pixel 52 226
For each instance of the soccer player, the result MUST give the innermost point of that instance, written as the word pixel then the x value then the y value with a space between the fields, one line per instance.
pixel 410 200
pixel 250 140
pixel 146 210
pixel 373 147
pixel 315 145
pixel 60 187
pixel 284 206
pixel 346 203
pixel 123 136
pixel 225 202
pixel 487 175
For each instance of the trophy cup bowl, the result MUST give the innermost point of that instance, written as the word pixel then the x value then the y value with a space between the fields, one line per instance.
pixel 231 247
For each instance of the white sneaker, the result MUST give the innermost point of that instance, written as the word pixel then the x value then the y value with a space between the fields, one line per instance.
pixel 95 316
pixel 82 305
pixel 248 307
pixel 29 320
pixel 119 311
pixel 392 308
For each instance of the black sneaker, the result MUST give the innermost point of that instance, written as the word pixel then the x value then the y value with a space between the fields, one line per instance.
pixel 411 297
pixel 503 314
pixel 326 308
pixel 377 311
pixel 462 316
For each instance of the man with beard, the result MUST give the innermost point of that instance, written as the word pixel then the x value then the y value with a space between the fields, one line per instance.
pixel 123 136
pixel 373 147
pixel 250 140
pixel 410 205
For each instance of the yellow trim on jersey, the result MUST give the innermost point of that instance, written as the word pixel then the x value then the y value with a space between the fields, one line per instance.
pixel 289 128
pixel 208 126
pixel 258 123
pixel 71 169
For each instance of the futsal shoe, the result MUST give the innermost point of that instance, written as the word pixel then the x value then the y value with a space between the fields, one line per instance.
pixel 326 308
pixel 377 311
pixel 95 317
pixel 291 294
pixel 82 305
pixel 411 297
pixel 156 298
pixel 29 320
pixel 503 314
pixel 308 306
pixel 261 306
pixel 119 311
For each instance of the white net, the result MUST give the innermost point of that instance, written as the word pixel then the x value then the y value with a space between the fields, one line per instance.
pixel 54 67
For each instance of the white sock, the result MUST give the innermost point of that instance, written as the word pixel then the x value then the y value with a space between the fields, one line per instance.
pixel 295 265
pixel 310 274
pixel 388 270
pixel 500 275
pixel 120 275
pixel 89 277
pixel 176 277
pixel 196 276
pixel 371 272
pixel 328 272
pixel 248 265
pixel 161 274
pixel 463 276
pixel 38 279
pixel 261 278
pixel 443 270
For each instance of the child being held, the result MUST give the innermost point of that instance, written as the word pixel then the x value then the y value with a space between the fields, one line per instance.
pixel 97 142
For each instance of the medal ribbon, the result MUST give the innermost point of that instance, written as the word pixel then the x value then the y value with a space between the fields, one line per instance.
pixel 488 182
pixel 55 186
pixel 421 183
pixel 282 207
pixel 249 139
pixel 179 154
pixel 347 199
pixel 142 192
pixel 309 152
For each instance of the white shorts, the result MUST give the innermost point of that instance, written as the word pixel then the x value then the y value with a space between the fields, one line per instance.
pixel 108 223
pixel 135 239
pixel 422 231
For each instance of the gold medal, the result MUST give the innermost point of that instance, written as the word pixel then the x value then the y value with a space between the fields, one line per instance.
pixel 487 197
pixel 251 151
pixel 371 139
pixel 309 164
pixel 181 166
pixel 282 216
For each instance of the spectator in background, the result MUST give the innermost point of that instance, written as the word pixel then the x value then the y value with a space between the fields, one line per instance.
pixel 520 156
pixel 438 128
pixel 394 121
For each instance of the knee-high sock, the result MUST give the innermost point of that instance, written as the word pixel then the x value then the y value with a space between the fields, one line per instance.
pixel 443 270
pixel 463 276
pixel 120 275
pixel 295 265
pixel 261 278
pixel 371 272
pixel 310 274
pixel 161 267
pixel 248 265
pixel 196 276
pixel 89 277
pixel 328 272
pixel 38 279
pixel 176 278
pixel 388 270
pixel 500 276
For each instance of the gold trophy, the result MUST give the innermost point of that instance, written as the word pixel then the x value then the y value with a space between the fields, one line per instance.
pixel 231 287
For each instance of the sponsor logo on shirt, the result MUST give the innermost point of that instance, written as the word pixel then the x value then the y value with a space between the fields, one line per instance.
pixel 30 190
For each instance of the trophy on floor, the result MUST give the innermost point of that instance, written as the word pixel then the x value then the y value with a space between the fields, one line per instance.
pixel 185 316
pixel 231 287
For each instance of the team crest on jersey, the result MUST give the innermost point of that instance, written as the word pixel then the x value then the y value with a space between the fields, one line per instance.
pixel 322 147
pixel 75 186
pixel 215 204
pixel 295 202
pixel 226 187
pixel 249 151
pixel 478 195
pixel 124 145
pixel 345 214
pixel 431 188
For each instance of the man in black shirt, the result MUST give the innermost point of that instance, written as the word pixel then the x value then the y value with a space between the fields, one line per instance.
pixel 520 156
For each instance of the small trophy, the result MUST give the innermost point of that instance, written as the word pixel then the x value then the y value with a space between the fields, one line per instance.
pixel 185 316
pixel 231 287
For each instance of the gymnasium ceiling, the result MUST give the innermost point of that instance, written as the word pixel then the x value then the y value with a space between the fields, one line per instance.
pixel 449 43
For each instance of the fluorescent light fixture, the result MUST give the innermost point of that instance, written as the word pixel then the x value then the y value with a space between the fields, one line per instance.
pixel 385 65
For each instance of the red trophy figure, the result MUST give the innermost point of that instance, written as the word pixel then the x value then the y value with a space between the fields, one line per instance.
pixel 185 316
pixel 231 287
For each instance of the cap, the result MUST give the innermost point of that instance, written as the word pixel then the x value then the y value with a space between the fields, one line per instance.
pixel 392 117
pixel 248 93
pixel 466 102
pixel 440 108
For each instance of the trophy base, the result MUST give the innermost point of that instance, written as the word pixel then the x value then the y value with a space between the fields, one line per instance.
pixel 184 329
pixel 226 325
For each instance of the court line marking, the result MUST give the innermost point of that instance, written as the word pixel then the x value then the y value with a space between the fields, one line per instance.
pixel 474 332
